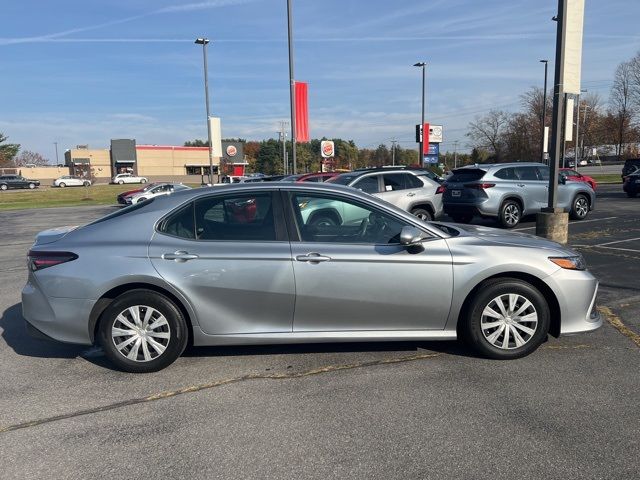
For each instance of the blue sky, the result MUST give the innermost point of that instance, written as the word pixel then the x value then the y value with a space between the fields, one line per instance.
pixel 83 72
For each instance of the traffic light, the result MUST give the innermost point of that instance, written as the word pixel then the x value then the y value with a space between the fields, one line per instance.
pixel 418 133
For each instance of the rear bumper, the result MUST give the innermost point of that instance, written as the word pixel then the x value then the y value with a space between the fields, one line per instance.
pixel 61 319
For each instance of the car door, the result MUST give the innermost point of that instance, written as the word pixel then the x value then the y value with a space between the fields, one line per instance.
pixel 356 276
pixel 397 190
pixel 534 189
pixel 230 257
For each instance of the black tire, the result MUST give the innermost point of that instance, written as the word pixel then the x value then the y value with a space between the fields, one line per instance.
pixel 175 332
pixel 62 185
pixel 86 184
pixel 579 207
pixel 632 194
pixel 3 187
pixel 32 186
pixel 144 180
pixel 120 182
pixel 422 214
pixel 510 214
pixel 471 329
pixel 462 217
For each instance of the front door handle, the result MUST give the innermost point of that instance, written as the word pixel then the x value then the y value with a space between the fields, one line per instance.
pixel 411 194
pixel 520 184
pixel 179 256
pixel 312 258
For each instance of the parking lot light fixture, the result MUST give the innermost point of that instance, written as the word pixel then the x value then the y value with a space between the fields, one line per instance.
pixel 204 42
pixel 421 147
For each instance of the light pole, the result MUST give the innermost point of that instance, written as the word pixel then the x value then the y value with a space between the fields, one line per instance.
pixel 420 153
pixel 204 42
pixel 292 85
pixel 544 109
pixel 57 161
pixel 575 155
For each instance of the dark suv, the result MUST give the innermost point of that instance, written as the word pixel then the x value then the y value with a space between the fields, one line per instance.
pixel 631 165
pixel 17 181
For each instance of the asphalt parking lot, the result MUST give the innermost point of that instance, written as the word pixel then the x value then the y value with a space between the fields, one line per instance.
pixel 379 410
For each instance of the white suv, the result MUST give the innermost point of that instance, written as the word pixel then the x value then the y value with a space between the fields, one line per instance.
pixel 412 190
pixel 128 178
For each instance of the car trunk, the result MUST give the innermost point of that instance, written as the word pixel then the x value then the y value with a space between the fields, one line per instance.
pixel 464 186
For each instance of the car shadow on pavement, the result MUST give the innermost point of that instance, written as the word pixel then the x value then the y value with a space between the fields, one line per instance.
pixel 448 347
pixel 15 335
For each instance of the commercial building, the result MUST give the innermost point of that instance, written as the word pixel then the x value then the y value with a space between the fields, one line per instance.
pixel 156 162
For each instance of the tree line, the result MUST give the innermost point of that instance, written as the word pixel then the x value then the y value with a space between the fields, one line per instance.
pixel 11 156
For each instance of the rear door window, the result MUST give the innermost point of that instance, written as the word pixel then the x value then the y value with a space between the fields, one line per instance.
pixel 507 173
pixel 394 181
pixel 367 184
pixel 466 175
pixel 527 173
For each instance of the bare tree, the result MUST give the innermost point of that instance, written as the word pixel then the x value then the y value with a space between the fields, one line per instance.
pixel 28 157
pixel 621 105
pixel 487 133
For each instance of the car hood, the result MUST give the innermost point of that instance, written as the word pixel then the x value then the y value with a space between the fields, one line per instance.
pixel 506 237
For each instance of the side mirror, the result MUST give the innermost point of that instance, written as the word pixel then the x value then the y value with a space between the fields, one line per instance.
pixel 411 236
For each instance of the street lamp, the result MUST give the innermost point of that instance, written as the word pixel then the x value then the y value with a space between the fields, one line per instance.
pixel 204 42
pixel 292 86
pixel 420 152
pixel 544 109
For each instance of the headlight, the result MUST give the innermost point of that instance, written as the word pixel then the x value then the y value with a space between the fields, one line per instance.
pixel 574 262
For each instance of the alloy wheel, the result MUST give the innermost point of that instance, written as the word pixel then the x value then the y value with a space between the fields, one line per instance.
pixel 509 321
pixel 140 333
pixel 582 207
pixel 511 214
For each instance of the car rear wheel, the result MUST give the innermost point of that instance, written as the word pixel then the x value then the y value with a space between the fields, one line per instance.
pixel 580 207
pixel 120 182
pixel 3 187
pixel 508 318
pixel 510 214
pixel 144 180
pixel 422 214
pixel 62 185
pixel 86 184
pixel 142 331
pixel 32 186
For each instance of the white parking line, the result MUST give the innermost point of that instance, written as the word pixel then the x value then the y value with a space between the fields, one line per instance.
pixel 571 223
pixel 617 241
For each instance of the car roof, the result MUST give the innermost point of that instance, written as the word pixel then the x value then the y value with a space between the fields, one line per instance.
pixel 486 166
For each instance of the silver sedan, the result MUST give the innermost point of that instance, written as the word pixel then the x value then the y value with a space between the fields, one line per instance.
pixel 250 264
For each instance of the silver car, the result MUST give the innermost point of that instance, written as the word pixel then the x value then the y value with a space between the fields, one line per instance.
pixel 413 190
pixel 241 265
pixel 509 191
pixel 161 189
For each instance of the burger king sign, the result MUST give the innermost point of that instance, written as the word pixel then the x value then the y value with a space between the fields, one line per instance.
pixel 231 151
pixel 327 149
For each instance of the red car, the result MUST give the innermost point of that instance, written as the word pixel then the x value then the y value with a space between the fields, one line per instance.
pixel 311 177
pixel 122 198
pixel 578 177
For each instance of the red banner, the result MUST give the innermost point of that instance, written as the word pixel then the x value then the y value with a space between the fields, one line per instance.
pixel 302 112
pixel 425 139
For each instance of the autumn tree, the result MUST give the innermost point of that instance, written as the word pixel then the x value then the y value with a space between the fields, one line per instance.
pixel 621 104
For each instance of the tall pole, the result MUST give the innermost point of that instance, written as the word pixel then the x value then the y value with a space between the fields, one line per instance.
pixel 421 143
pixel 292 85
pixel 557 108
pixel 564 130
pixel 57 161
pixel 393 151
pixel 544 111
pixel 455 154
pixel 204 42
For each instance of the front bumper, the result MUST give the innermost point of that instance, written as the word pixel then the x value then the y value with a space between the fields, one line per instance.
pixel 61 319
pixel 576 292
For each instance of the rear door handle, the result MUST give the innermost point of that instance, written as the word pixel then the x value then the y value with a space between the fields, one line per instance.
pixel 179 256
pixel 411 194
pixel 312 258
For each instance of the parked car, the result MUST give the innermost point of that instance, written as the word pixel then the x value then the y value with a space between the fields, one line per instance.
pixel 631 184
pixel 17 181
pixel 318 177
pixel 575 176
pixel 509 191
pixel 409 189
pixel 630 166
pixel 425 171
pixel 242 265
pixel 122 178
pixel 122 197
pixel 161 189
pixel 71 181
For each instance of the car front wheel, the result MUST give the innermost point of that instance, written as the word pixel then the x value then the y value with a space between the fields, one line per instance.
pixel 3 187
pixel 86 184
pixel 580 207
pixel 144 180
pixel 142 331
pixel 32 186
pixel 120 182
pixel 62 185
pixel 508 318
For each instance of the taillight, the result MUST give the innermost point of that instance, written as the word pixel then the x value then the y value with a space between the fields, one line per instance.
pixel 39 260
pixel 479 186
pixel 441 189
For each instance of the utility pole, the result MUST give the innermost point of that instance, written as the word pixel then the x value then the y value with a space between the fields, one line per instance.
pixel 57 161
pixel 455 154
pixel 584 123
pixel 393 151
pixel 204 42
pixel 544 111
pixel 283 139
pixel 421 147
pixel 292 84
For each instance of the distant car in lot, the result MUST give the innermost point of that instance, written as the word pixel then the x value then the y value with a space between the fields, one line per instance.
pixel 122 197
pixel 509 191
pixel 575 176
pixel 243 265
pixel 631 184
pixel 318 177
pixel 71 181
pixel 630 166
pixel 17 181
pixel 161 189
pixel 409 189
pixel 122 178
